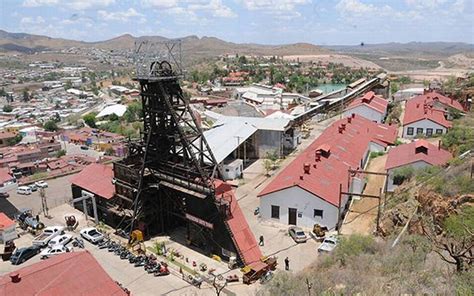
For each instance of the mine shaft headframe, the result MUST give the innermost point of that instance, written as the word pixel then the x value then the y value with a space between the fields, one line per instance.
pixel 158 60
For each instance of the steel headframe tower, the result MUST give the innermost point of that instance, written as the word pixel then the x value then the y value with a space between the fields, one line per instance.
pixel 175 153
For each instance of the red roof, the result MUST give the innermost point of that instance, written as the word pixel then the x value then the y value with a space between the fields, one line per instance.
pixel 328 170
pixel 5 176
pixel 243 236
pixel 5 222
pixel 407 154
pixel 427 106
pixel 96 178
pixel 75 273
pixel 372 101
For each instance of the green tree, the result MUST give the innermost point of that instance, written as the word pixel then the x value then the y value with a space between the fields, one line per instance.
pixel 3 93
pixel 7 108
pixel 68 85
pixel 13 141
pixel 60 153
pixel 26 95
pixel 89 119
pixel 50 125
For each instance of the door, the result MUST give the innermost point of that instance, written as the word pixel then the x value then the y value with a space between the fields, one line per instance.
pixel 291 216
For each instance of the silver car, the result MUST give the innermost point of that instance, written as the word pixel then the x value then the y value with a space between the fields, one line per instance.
pixel 297 234
pixel 328 244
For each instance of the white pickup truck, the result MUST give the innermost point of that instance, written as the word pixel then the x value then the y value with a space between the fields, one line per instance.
pixel 48 233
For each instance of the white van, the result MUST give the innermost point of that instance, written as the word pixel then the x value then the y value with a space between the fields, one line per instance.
pixel 23 190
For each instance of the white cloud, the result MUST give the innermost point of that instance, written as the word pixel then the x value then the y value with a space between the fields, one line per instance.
pixel 355 8
pixel 122 16
pixel 280 9
pixel 214 7
pixel 74 4
pixel 37 3
pixel 425 4
pixel 32 20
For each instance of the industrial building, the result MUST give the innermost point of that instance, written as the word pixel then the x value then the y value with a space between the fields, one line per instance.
pixel 370 106
pixel 307 191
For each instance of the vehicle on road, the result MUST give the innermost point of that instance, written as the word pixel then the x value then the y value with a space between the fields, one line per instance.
pixel 24 190
pixel 54 250
pixel 297 234
pixel 4 195
pixel 91 234
pixel 48 234
pixel 328 244
pixel 41 184
pixel 84 147
pixel 62 239
pixel 33 187
pixel 23 254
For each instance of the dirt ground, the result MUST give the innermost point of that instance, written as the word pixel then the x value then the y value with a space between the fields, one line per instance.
pixel 362 213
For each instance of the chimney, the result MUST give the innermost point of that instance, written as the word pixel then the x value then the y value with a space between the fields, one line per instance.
pixel 418 105
pixel 15 277
pixel 343 125
pixel 315 165
pixel 301 177
pixel 349 119
pixel 317 155
pixel 353 115
pixel 306 168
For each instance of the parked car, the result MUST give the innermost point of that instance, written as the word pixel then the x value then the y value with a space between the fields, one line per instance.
pixel 23 254
pixel 48 234
pixel 91 234
pixel 328 244
pixel 54 250
pixel 33 187
pixel 63 239
pixel 41 184
pixel 4 195
pixel 84 147
pixel 24 190
pixel 297 234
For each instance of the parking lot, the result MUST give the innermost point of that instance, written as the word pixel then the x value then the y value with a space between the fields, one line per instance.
pixel 57 193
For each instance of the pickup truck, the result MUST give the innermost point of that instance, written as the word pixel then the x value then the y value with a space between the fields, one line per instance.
pixel 49 233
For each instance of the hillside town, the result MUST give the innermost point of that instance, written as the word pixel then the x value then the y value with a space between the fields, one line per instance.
pixel 160 170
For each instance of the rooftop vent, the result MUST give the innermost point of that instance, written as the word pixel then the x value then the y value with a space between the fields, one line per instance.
pixel 307 168
pixel 349 119
pixel 15 277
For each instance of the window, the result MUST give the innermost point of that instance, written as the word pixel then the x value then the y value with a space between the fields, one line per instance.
pixel 275 212
pixel 318 213
pixel 419 131
pixel 439 131
pixel 429 132
pixel 410 131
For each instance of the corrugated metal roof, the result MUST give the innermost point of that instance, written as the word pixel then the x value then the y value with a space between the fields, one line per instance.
pixel 238 225
pixel 224 139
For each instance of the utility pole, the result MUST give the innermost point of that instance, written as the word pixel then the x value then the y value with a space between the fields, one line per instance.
pixel 44 204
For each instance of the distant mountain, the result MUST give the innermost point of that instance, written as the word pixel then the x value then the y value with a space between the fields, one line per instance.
pixel 193 46
pixel 421 49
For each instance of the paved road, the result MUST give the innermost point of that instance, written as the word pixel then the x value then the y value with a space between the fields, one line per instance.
pixel 57 193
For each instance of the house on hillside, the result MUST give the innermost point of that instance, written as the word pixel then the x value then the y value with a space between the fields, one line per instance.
pixel 307 190
pixel 7 181
pixel 416 155
pixel 369 106
pixel 429 114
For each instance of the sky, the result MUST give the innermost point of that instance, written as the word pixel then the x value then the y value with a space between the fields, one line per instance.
pixel 322 22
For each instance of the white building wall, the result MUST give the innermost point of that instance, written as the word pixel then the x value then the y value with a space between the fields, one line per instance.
pixel 8 186
pixel 304 202
pixel 416 165
pixel 424 124
pixel 8 234
pixel 366 112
